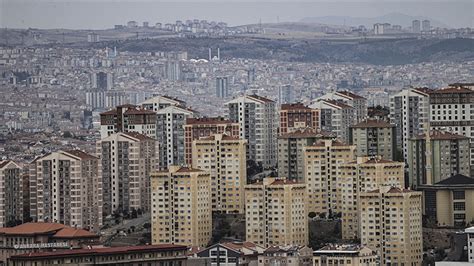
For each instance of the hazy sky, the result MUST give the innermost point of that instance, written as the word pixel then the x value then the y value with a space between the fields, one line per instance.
pixel 81 14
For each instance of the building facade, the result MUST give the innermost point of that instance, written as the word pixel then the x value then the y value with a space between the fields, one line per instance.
pixel 449 202
pixel 374 138
pixel 364 174
pixel 291 154
pixel 336 117
pixel 223 157
pixel 321 169
pixel 409 112
pixel 66 187
pixel 470 243
pixel 196 128
pixel 452 110
pixel 11 193
pixel 276 212
pixel 358 102
pixel 390 223
pixel 181 207
pixel 257 118
pixel 449 154
pixel 345 255
pixel 128 118
pixel 126 161
pixel 297 116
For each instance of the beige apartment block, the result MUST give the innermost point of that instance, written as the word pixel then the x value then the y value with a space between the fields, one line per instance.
pixel 276 212
pixel 127 160
pixel 66 188
pixel 181 207
pixel 390 222
pixel 223 157
pixel 322 161
pixel 364 174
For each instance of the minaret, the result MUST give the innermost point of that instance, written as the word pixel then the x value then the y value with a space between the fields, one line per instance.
pixel 210 55
pixel 219 54
pixel 429 172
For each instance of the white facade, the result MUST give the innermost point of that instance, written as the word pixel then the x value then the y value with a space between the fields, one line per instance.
pixel 409 111
pixel 470 244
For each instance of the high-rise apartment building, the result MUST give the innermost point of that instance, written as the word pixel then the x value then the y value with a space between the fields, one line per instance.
pixel 102 81
pixel 257 118
pixel 173 70
pixel 11 193
pixel 390 223
pixel 196 128
pixel 409 112
pixel 126 161
pixel 181 207
pixel 363 175
pixel 285 94
pixel 276 213
pixel 66 187
pixel 222 87
pixel 223 157
pixel 452 110
pixel 160 102
pixel 297 116
pixel 416 26
pixel 170 134
pixel 128 118
pixel 336 117
pixel 321 169
pixel 291 154
pixel 359 103
pixel 438 157
pixel 426 25
pixel 449 202
pixel 374 138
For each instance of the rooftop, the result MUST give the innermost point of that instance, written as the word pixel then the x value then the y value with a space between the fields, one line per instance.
pixel 55 229
pixel 372 123
pixel 306 133
pixel 82 155
pixel 441 135
pixel 137 135
pixel 350 94
pixel 452 90
pixel 457 179
pixel 207 121
pixel 101 251
pixel 295 106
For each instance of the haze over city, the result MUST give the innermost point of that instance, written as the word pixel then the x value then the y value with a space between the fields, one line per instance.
pixel 103 14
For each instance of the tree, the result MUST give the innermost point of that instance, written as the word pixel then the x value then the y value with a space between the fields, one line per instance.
pixel 322 215
pixel 312 215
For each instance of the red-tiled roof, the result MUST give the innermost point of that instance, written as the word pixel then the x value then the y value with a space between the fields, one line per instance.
pixel 4 163
pixel 306 133
pixel 207 120
pixel 69 232
pixel 32 228
pixel 81 154
pixel 137 135
pixel 350 94
pixel 110 112
pixel 224 137
pixel 138 112
pixel 372 123
pixel 338 104
pixel 101 251
pixel 295 106
pixel 441 135
pixel 260 98
pixel 452 90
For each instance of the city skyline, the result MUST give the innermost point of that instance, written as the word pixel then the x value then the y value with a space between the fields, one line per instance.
pixel 105 14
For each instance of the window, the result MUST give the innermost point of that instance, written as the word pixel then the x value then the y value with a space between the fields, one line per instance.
pixel 457 195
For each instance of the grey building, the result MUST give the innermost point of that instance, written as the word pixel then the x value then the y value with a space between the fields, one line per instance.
pixel 444 155
pixel 336 116
pixel 258 120
pixel 374 137
pixel 222 87
pixel 291 151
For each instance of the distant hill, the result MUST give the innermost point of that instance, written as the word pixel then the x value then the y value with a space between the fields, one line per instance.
pixel 392 18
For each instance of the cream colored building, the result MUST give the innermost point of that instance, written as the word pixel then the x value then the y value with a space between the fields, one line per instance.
pixel 181 207
pixel 321 168
pixel 364 174
pixel 11 193
pixel 66 188
pixel 127 159
pixel 390 222
pixel 345 255
pixel 224 158
pixel 449 202
pixel 276 212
